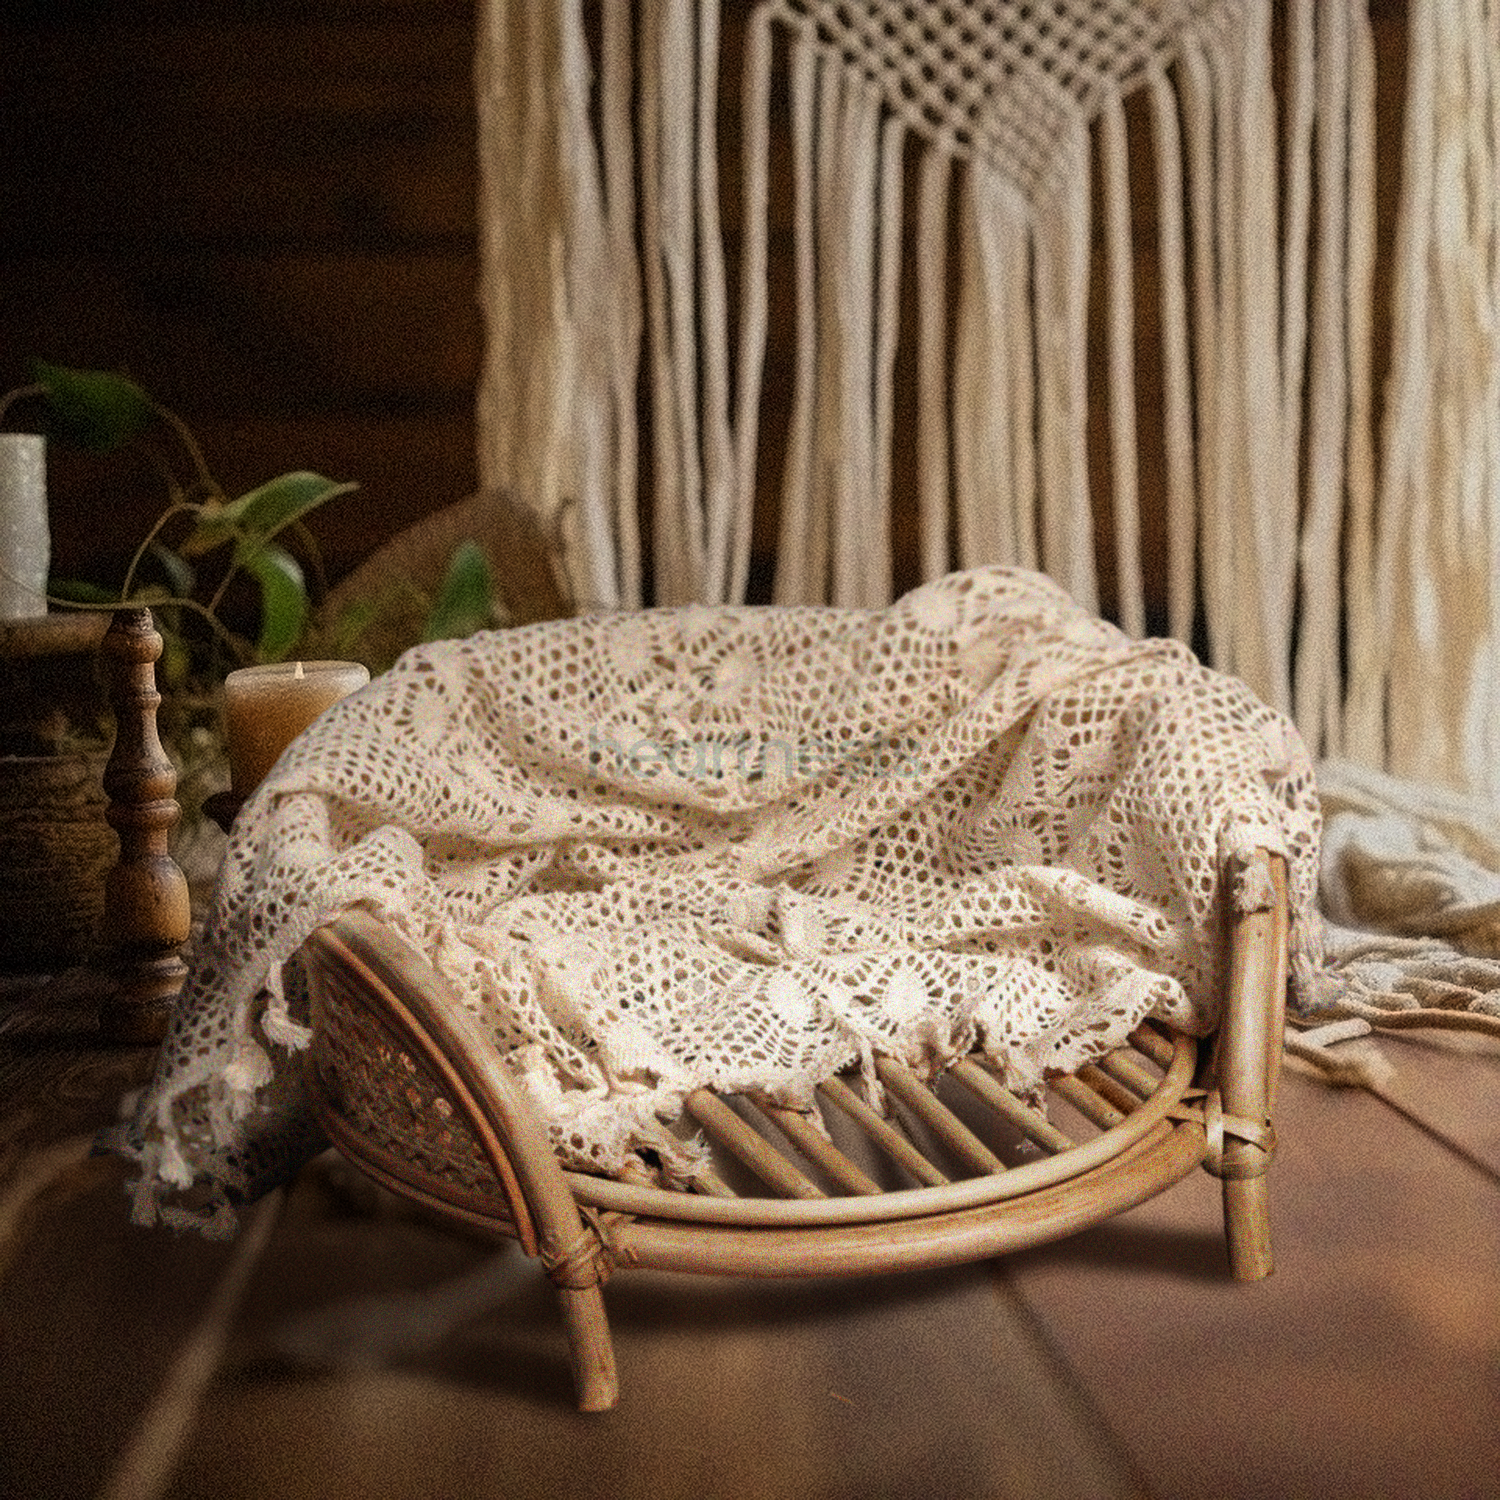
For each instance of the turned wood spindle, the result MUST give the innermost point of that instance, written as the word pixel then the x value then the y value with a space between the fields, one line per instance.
pixel 146 910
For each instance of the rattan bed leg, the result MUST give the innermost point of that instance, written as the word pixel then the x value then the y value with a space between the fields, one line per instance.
pixel 1247 1228
pixel 1247 1062
pixel 405 992
pixel 591 1349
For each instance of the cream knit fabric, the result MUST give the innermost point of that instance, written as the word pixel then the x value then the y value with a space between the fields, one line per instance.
pixel 736 847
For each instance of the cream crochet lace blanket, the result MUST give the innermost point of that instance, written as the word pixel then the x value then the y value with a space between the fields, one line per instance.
pixel 729 846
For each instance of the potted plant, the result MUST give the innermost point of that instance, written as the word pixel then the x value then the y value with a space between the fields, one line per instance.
pixel 54 843
pixel 204 550
pixel 203 539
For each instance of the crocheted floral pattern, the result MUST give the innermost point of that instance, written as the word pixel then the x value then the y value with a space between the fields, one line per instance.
pixel 746 847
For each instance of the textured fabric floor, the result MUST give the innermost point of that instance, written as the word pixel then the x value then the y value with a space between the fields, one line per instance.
pixel 346 1346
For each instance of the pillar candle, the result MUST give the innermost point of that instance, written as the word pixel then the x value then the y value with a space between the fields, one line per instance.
pixel 25 544
pixel 266 708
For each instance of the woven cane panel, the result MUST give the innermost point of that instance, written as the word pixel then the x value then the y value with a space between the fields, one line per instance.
pixel 390 1098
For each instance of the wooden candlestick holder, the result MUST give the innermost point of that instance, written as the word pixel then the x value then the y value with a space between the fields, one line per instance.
pixel 147 915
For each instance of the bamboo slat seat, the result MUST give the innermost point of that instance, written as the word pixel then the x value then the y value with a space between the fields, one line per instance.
pixel 953 1170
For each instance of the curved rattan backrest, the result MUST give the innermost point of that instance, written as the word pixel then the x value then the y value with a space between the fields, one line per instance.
pixel 412 1068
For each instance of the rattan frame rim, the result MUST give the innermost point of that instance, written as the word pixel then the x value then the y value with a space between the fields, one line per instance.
pixel 668 1206
pixel 663 1204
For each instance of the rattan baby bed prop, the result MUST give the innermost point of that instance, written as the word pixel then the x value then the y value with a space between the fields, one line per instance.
pixel 416 1096
pixel 759 941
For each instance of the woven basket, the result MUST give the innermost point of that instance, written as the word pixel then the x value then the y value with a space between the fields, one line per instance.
pixel 55 849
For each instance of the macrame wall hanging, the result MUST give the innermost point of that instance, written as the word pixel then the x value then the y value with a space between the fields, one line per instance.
pixel 1424 594
pixel 1334 548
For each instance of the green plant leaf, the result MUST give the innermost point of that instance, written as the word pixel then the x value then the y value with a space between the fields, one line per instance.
pixel 176 661
pixel 465 601
pixel 257 516
pixel 352 622
pixel 181 578
pixel 210 529
pixel 95 410
pixel 283 600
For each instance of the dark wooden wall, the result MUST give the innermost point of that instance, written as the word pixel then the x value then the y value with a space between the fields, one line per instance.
pixel 263 210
